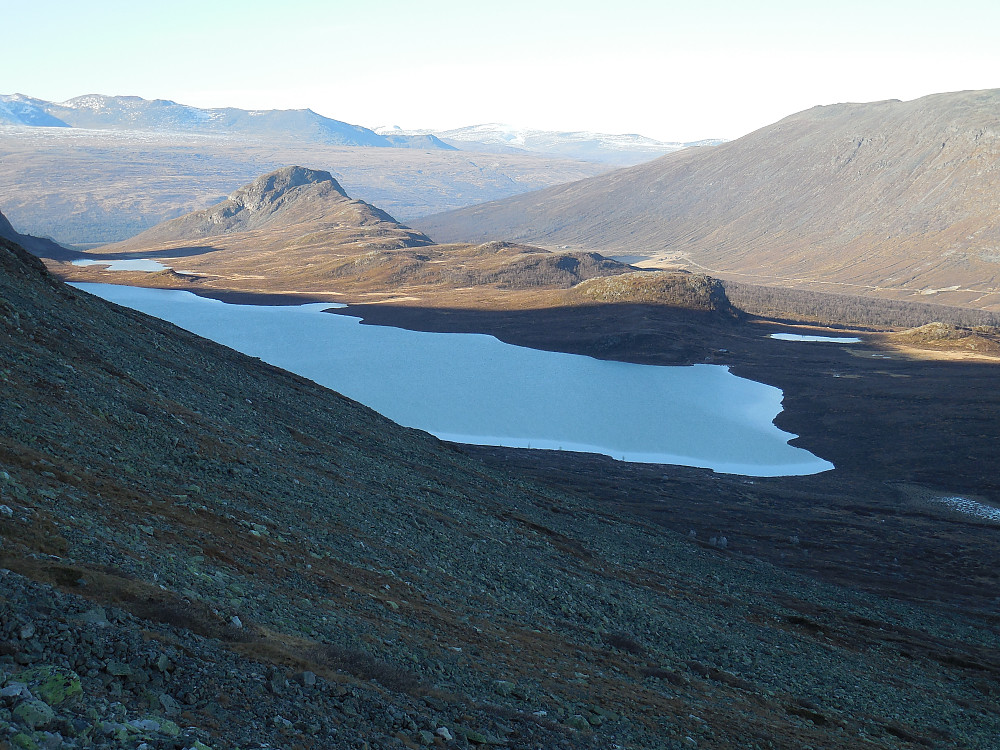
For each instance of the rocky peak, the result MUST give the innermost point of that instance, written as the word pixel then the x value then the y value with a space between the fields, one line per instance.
pixel 274 188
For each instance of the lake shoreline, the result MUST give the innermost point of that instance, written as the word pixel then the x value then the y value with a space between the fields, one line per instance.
pixel 487 391
pixel 896 443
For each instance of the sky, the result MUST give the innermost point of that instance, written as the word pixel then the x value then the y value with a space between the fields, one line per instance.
pixel 668 70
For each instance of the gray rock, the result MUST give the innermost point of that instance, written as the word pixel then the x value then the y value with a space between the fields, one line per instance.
pixel 145 725
pixel 578 722
pixel 34 714
pixel 170 706
pixel 118 669
pixel 503 687
pixel 95 616
pixel 16 690
pixel 306 678
pixel 444 733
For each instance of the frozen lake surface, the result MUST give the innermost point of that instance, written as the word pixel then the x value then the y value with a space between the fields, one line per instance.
pixel 803 337
pixel 473 388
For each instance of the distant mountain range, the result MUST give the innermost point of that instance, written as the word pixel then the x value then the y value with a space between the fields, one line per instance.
pixel 623 150
pixel 898 199
pixel 98 112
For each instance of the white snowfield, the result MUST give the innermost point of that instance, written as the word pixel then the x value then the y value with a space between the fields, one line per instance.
pixel 475 389
pixel 610 147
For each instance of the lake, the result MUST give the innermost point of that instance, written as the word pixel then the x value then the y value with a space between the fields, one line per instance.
pixel 473 388
pixel 140 264
pixel 808 337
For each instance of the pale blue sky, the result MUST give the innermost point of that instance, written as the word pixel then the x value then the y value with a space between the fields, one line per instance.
pixel 667 70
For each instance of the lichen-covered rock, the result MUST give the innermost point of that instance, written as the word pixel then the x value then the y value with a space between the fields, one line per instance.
pixel 23 741
pixel 578 722
pixel 53 685
pixel 33 714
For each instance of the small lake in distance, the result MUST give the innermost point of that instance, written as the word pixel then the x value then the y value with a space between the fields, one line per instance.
pixel 140 264
pixel 807 337
pixel 473 388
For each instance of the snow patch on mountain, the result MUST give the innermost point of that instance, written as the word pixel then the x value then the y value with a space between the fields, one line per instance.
pixel 623 148
pixel 18 109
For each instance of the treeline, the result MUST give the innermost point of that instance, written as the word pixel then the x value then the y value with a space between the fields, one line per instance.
pixel 800 305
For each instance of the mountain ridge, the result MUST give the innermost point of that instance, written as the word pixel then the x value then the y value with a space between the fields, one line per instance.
pixel 99 111
pixel 892 198
pixel 40 246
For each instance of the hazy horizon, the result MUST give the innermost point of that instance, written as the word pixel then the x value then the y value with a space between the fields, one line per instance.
pixel 665 70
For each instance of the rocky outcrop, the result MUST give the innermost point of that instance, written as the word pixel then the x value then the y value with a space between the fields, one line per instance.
pixel 674 289
pixel 285 198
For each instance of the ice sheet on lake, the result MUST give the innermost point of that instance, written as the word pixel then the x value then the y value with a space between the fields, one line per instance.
pixel 473 388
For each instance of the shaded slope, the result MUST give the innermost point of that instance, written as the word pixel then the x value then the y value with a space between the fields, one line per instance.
pixel 891 197
pixel 179 485
pixel 40 246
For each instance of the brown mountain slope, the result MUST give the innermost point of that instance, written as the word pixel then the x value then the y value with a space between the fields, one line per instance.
pixel 307 200
pixel 191 538
pixel 296 231
pixel 893 198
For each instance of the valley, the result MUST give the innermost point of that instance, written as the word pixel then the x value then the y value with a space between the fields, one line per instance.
pixel 413 586
pixel 215 552
pixel 101 186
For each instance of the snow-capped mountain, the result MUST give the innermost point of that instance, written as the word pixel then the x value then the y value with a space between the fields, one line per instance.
pixel 18 109
pixel 99 112
pixel 623 149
